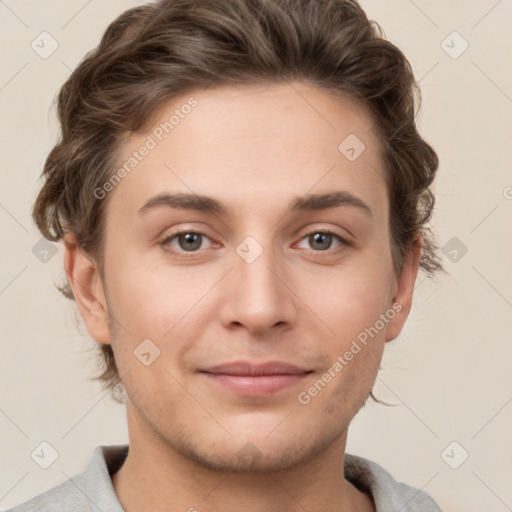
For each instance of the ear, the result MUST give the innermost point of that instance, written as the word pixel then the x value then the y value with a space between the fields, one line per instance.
pixel 402 301
pixel 85 281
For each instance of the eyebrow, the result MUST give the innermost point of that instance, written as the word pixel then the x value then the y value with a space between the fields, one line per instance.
pixel 208 204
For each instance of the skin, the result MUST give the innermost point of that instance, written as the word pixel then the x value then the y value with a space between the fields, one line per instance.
pixel 255 149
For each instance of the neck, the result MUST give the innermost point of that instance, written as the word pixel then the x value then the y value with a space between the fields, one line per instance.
pixel 157 477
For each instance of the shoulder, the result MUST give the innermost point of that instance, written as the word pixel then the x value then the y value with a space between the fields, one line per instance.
pixel 65 496
pixel 90 490
pixel 387 493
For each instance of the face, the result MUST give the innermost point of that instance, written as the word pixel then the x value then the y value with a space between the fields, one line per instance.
pixel 249 314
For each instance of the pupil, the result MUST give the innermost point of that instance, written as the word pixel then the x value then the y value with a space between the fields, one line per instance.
pixel 191 241
pixel 322 238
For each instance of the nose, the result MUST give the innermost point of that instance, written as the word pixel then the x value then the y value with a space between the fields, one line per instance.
pixel 259 294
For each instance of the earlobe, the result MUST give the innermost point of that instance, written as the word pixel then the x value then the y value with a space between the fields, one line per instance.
pixel 84 279
pixel 402 301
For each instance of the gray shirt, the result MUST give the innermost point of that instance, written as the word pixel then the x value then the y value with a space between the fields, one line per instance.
pixel 92 490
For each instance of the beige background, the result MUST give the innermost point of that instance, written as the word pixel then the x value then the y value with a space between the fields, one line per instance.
pixel 450 368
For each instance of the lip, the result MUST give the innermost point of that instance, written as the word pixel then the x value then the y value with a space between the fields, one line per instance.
pixel 256 379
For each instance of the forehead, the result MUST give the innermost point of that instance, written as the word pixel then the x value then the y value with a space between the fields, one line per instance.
pixel 248 143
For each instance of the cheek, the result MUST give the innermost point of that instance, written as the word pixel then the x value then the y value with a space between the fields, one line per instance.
pixel 350 301
pixel 157 312
pixel 149 301
pixel 352 308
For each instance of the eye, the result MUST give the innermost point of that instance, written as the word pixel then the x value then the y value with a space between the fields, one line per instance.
pixel 322 240
pixel 185 241
pixel 189 241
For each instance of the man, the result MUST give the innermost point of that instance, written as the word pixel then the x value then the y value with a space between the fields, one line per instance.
pixel 243 198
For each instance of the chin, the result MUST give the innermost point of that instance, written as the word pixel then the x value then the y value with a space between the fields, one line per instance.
pixel 258 454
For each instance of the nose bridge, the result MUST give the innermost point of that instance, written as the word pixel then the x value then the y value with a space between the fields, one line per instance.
pixel 259 298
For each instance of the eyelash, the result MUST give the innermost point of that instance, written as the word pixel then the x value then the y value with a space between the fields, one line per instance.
pixel 182 254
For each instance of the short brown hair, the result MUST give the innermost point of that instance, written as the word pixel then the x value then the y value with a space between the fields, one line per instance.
pixel 154 52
